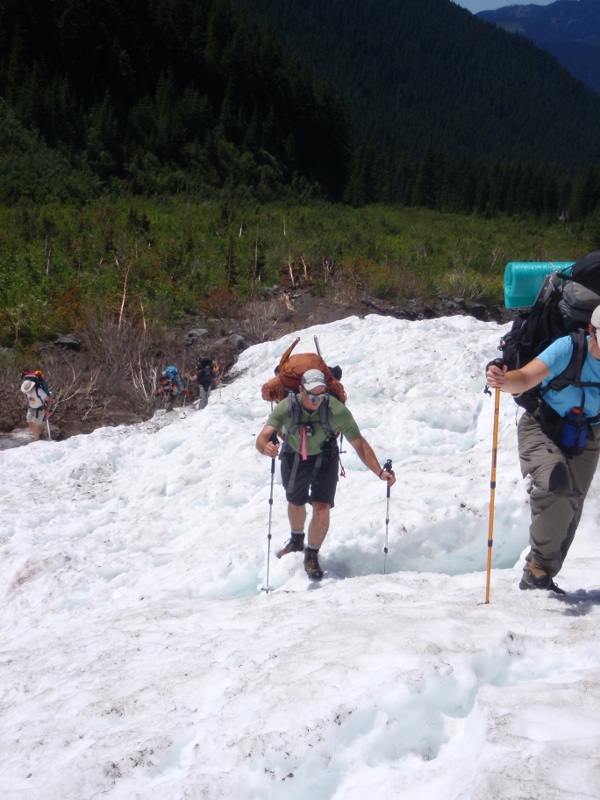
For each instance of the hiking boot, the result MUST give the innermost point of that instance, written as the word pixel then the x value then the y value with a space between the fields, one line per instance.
pixel 293 545
pixel 311 564
pixel 536 577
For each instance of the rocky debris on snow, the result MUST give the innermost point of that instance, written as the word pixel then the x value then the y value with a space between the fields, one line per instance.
pixel 95 395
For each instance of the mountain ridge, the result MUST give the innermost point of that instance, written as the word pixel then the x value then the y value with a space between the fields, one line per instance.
pixel 567 29
pixel 421 73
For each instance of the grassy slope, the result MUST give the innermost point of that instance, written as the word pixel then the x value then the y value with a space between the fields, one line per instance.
pixel 57 261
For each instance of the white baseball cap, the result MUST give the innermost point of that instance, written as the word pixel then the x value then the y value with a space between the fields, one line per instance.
pixel 312 379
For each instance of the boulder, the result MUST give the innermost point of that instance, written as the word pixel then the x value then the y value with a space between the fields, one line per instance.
pixel 479 311
pixel 195 335
pixel 237 341
pixel 69 341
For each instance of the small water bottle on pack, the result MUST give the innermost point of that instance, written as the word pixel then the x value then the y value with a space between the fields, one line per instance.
pixel 574 432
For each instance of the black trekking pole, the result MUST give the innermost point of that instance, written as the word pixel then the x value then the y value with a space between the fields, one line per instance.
pixel 268 588
pixel 492 494
pixel 387 467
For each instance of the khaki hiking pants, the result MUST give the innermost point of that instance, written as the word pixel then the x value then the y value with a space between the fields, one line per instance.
pixel 559 486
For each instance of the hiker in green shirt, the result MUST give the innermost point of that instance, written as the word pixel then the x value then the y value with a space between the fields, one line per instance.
pixel 309 422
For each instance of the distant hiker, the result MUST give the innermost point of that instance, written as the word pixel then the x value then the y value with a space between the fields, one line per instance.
pixel 37 376
pixel 559 446
pixel 37 398
pixel 207 376
pixel 170 387
pixel 309 460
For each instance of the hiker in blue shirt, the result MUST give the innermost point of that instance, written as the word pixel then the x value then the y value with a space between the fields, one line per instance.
pixel 559 447
pixel 170 386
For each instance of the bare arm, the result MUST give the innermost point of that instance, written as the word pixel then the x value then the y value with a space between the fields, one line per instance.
pixel 266 442
pixel 367 455
pixel 517 381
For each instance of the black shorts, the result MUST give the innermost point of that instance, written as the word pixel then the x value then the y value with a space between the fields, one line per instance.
pixel 313 482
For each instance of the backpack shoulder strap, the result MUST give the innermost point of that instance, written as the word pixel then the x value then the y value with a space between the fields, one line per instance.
pixel 571 375
pixel 580 353
pixel 324 417
pixel 296 412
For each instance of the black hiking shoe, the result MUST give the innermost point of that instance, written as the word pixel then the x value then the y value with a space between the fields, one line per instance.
pixel 531 580
pixel 311 564
pixel 293 545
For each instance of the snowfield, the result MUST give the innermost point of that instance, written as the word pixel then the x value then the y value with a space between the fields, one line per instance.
pixel 142 659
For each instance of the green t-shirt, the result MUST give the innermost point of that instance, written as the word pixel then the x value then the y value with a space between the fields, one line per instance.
pixel 340 419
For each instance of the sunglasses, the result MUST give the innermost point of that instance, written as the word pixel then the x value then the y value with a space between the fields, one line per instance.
pixel 314 398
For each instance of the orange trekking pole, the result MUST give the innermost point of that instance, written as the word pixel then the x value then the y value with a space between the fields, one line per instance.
pixel 492 491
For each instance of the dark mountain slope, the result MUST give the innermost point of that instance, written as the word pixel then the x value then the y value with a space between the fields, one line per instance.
pixel 427 73
pixel 568 29
pixel 169 95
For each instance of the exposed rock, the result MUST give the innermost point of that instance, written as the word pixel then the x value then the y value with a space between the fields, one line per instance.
pixel 69 341
pixel 479 311
pixel 235 339
pixel 195 335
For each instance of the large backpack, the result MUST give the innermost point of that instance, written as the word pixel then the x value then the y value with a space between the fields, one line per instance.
pixel 205 363
pixel 174 376
pixel 206 371
pixel 37 376
pixel 290 370
pixel 563 306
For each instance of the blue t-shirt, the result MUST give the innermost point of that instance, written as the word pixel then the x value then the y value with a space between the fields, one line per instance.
pixel 556 357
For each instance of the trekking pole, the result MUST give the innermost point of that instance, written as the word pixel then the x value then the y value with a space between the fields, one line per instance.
pixel 268 588
pixel 492 493
pixel 48 426
pixel 387 468
pixel 499 363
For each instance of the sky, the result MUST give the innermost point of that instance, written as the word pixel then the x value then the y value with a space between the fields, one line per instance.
pixel 153 648
pixel 487 5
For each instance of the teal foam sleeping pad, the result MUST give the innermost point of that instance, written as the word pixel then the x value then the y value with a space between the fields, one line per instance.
pixel 523 279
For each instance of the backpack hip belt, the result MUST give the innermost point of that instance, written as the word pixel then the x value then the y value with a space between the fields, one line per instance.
pixel 551 415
